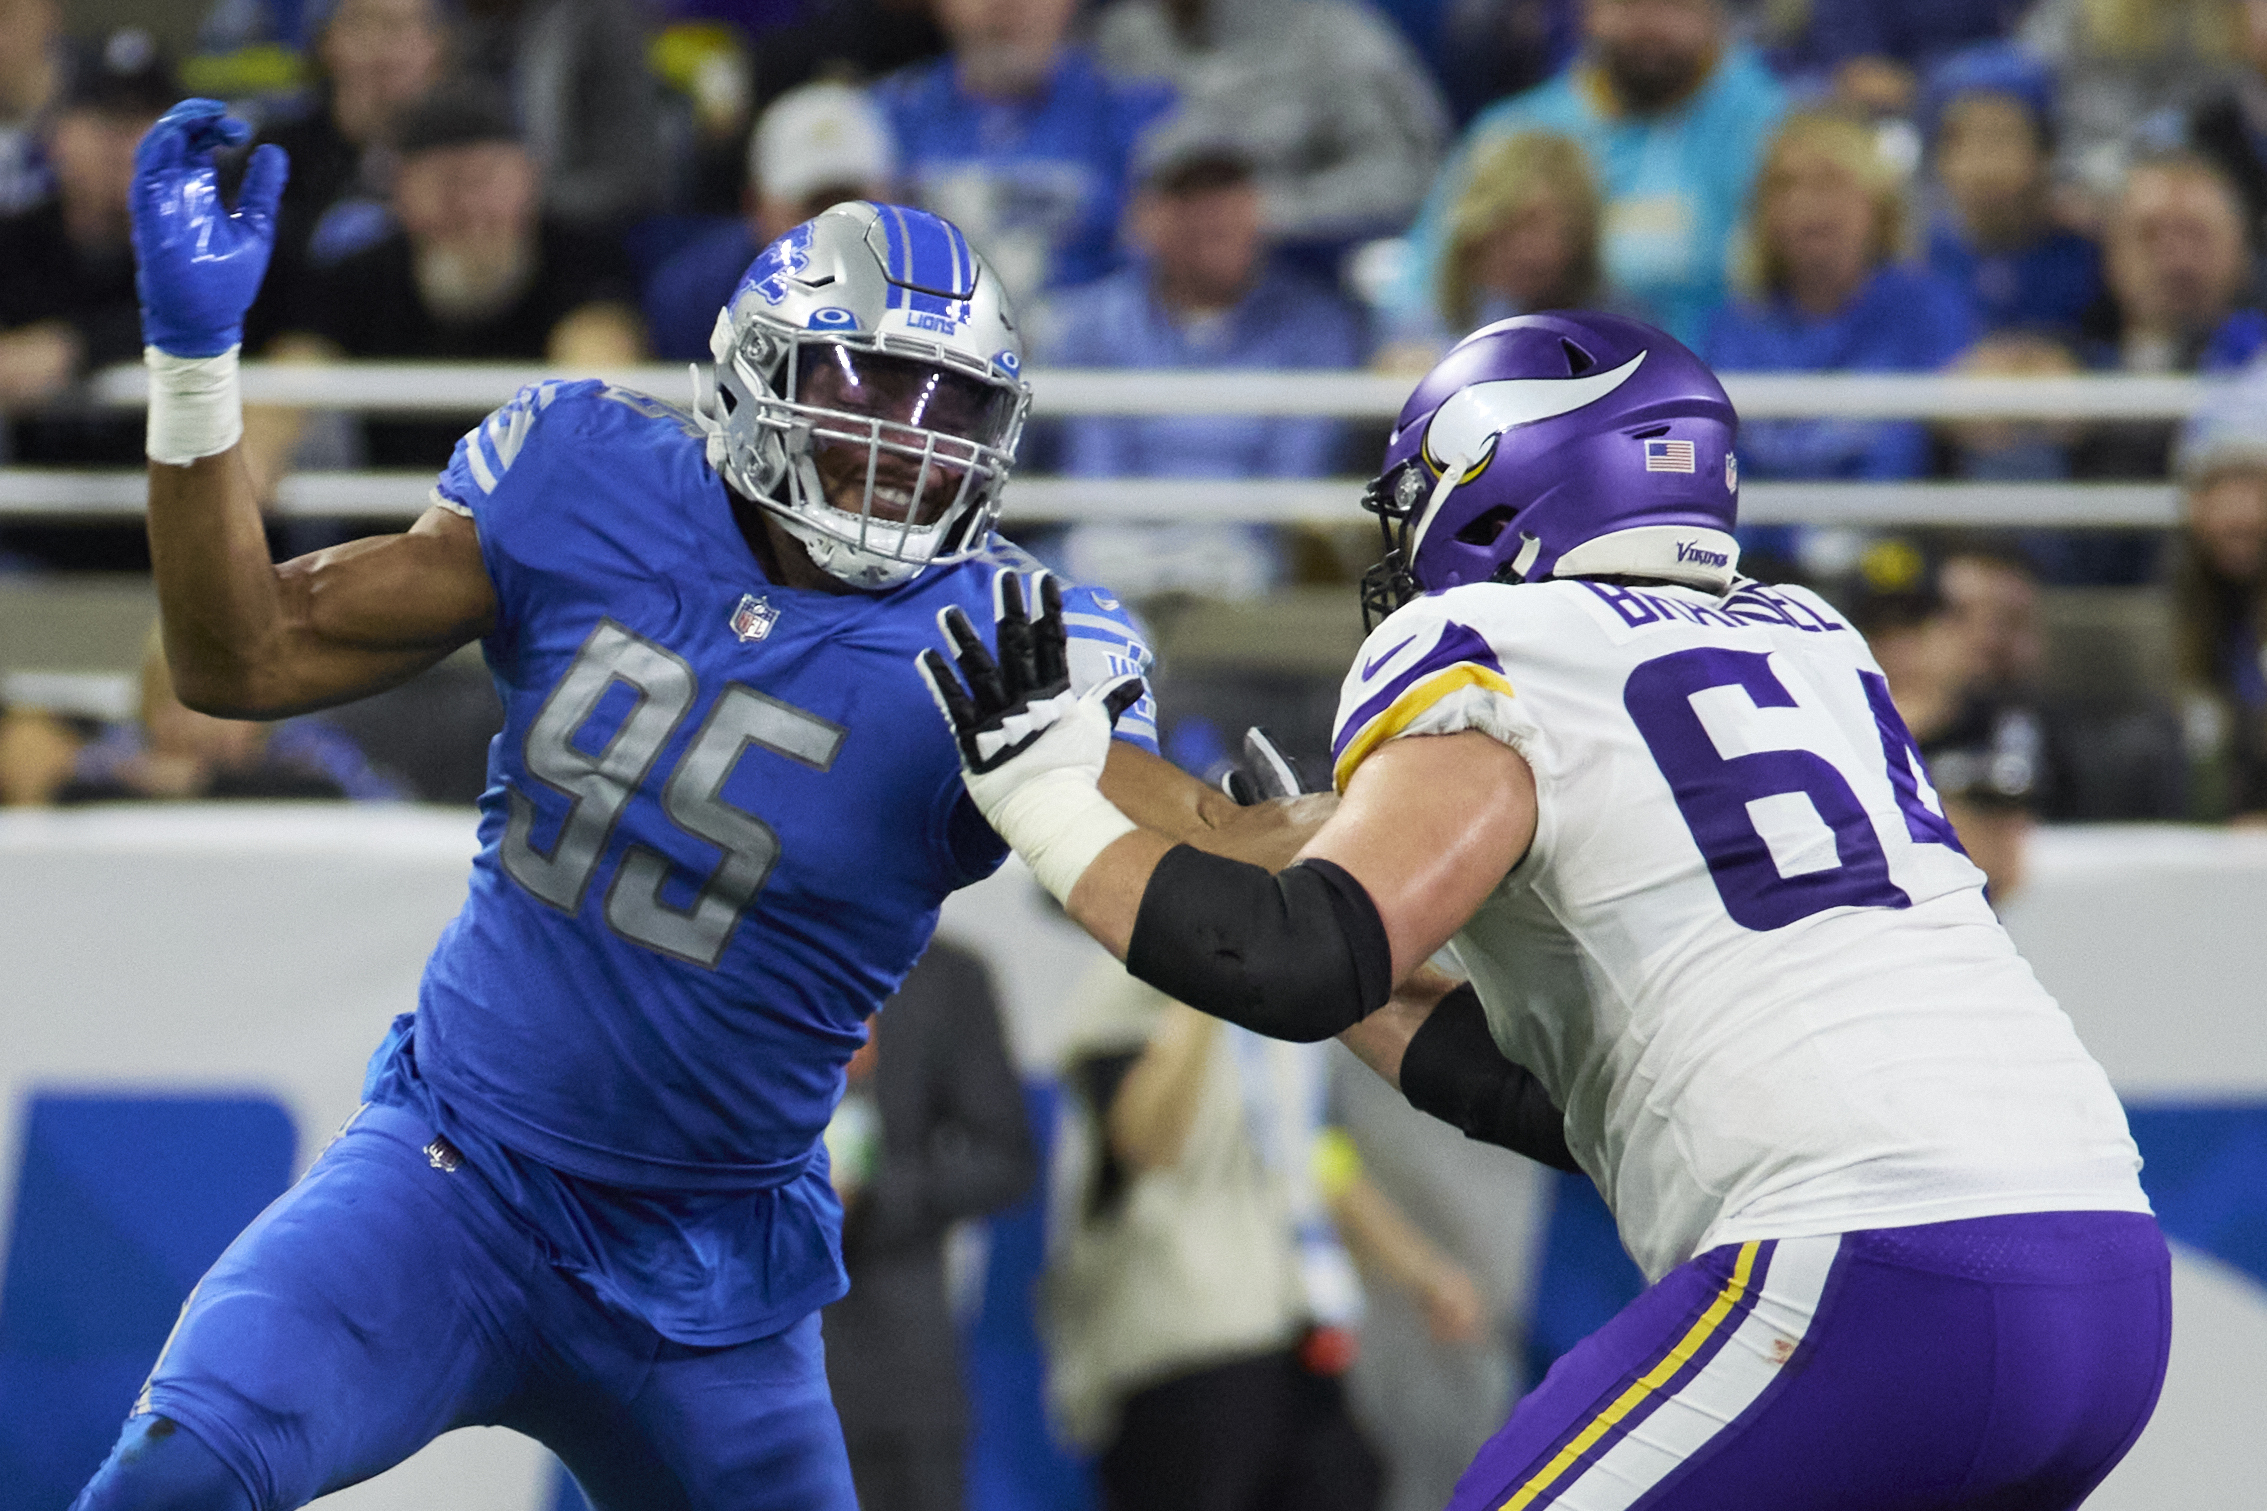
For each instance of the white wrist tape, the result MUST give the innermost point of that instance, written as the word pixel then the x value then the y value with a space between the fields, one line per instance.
pixel 1059 822
pixel 196 409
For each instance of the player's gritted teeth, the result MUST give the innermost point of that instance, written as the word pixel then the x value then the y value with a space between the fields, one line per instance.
pixel 915 402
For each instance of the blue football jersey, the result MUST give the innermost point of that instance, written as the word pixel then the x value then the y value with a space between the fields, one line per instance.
pixel 721 816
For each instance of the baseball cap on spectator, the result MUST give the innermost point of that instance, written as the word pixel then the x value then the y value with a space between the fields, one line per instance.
pixel 820 136
pixel 1894 587
pixel 2228 433
pixel 455 115
pixel 1191 153
pixel 126 75
pixel 1991 68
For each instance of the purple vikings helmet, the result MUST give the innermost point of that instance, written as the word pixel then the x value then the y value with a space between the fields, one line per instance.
pixel 1561 445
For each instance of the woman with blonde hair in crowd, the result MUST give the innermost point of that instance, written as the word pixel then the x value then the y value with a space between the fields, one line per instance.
pixel 1522 237
pixel 1832 290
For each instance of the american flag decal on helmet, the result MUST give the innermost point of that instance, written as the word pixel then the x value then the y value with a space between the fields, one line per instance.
pixel 1669 456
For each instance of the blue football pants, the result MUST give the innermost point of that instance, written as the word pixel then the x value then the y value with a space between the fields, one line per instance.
pixel 385 1300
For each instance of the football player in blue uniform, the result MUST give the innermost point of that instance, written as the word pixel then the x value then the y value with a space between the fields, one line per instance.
pixel 587 1197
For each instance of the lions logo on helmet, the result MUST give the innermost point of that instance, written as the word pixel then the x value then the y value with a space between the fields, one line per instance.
pixel 868 391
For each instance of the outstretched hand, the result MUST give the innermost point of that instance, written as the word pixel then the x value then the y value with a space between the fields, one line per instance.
pixel 199 262
pixel 1031 749
pixel 999 706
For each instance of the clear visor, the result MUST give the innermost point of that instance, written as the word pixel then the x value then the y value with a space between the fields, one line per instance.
pixel 904 393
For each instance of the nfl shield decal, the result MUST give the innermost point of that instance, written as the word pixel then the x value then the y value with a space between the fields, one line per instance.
pixel 753 619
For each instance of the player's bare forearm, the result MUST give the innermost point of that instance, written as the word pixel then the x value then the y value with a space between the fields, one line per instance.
pixel 1380 1040
pixel 1173 808
pixel 1166 800
pixel 245 638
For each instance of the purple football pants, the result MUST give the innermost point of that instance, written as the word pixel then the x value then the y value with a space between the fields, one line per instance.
pixel 1996 1364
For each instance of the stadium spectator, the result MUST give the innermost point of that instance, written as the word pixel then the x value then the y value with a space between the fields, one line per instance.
pixel 1832 294
pixel 2229 126
pixel 171 752
pixel 1985 749
pixel 1484 50
pixel 1674 113
pixel 1876 53
pixel 1199 1307
pixel 36 753
pixel 473 271
pixel 1992 593
pixel 1343 125
pixel 2011 450
pixel 373 59
pixel 2220 602
pixel 33 71
pixel 830 39
pixel 2123 63
pixel 1523 236
pixel 1991 114
pixel 2181 284
pixel 67 301
pixel 1021 140
pixel 591 109
pixel 814 146
pixel 931 1133
pixel 1203 292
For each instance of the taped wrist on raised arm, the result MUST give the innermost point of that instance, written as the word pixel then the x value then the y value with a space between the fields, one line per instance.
pixel 196 407
pixel 1453 1070
pixel 1300 954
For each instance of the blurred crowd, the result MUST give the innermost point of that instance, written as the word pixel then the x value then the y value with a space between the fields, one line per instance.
pixel 1992 186
pixel 2017 187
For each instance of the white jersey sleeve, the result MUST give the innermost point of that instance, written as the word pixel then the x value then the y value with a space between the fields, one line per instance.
pixel 1745 951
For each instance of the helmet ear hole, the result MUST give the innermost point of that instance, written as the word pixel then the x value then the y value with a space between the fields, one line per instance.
pixel 1483 529
pixel 1578 361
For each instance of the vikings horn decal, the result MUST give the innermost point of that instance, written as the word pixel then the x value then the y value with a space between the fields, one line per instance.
pixel 1463 429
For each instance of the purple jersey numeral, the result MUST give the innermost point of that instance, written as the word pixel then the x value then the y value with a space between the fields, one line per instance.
pixel 1714 793
pixel 1923 823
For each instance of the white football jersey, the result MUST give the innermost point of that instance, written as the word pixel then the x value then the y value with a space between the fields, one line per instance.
pixel 1745 953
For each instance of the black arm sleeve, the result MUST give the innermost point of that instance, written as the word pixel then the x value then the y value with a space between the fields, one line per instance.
pixel 1298 954
pixel 1453 1070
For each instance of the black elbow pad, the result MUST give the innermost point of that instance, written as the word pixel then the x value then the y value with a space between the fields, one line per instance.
pixel 1453 1070
pixel 1298 954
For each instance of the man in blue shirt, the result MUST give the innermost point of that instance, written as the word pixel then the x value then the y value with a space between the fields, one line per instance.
pixel 587 1196
pixel 1020 139
pixel 816 145
pixel 1202 293
pixel 1990 111
pixel 1673 113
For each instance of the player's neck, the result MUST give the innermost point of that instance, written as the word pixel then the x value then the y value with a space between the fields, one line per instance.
pixel 780 554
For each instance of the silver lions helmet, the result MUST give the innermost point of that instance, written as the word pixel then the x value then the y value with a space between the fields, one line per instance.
pixel 868 391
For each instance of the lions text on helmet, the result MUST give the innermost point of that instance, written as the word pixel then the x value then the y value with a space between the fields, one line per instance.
pixel 1558 445
pixel 868 391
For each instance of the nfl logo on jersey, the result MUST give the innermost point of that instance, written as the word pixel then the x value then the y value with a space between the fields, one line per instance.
pixel 1668 456
pixel 753 619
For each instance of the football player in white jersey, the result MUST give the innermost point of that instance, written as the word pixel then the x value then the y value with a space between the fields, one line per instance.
pixel 1726 957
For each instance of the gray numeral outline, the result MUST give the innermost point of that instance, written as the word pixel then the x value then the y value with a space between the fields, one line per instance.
pixel 599 786
pixel 695 803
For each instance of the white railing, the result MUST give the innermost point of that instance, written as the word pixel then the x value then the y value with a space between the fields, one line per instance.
pixel 430 387
pixel 427 388
pixel 1326 501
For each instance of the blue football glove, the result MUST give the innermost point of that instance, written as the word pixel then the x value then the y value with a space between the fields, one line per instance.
pixel 198 263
